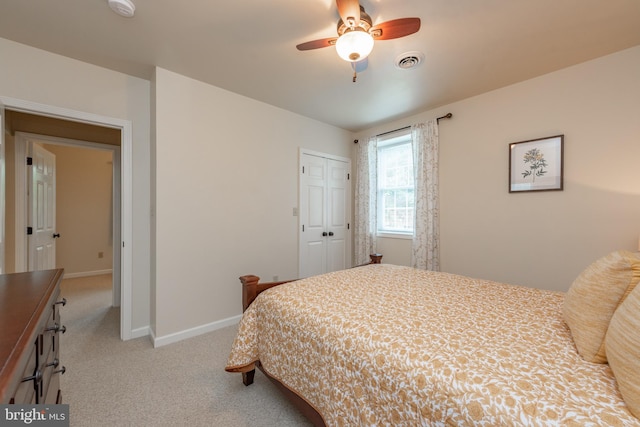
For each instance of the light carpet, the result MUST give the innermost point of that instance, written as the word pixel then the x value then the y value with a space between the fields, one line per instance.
pixel 110 382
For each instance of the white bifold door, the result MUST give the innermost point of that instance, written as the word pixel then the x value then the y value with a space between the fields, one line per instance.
pixel 325 214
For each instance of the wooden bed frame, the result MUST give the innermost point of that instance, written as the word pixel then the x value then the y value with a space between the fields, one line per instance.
pixel 251 288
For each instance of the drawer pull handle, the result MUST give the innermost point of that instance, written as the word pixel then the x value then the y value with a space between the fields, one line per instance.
pixel 60 371
pixel 63 301
pixel 57 328
pixel 37 377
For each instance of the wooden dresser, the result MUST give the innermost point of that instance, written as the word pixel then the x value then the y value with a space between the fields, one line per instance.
pixel 30 368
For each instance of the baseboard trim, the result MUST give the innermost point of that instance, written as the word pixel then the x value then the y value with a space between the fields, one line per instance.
pixel 193 332
pixel 141 332
pixel 87 273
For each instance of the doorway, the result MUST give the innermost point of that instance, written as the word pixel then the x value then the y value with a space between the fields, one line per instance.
pixel 122 259
pixel 88 220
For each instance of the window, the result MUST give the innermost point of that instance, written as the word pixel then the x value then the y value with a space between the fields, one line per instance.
pixel 396 184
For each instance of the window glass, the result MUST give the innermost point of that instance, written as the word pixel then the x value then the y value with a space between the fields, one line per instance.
pixel 395 185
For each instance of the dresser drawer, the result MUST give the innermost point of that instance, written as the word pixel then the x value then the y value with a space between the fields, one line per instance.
pixel 26 390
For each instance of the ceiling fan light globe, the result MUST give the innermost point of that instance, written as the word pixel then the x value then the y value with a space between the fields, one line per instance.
pixel 354 45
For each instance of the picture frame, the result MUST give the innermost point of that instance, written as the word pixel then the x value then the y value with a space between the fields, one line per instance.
pixel 536 165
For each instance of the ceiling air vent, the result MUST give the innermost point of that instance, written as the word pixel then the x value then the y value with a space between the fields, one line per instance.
pixel 409 60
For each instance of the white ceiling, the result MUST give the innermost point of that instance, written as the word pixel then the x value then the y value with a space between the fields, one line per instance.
pixel 248 47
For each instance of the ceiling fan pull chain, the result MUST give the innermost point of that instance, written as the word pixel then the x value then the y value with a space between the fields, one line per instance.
pixel 355 73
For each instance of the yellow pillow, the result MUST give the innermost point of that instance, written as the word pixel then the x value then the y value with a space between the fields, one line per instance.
pixel 593 298
pixel 623 350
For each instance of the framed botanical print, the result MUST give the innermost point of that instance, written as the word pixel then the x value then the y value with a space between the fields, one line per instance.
pixel 536 164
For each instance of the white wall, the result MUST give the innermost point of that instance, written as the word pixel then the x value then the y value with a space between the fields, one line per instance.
pixel 540 239
pixel 226 171
pixel 84 206
pixel 37 76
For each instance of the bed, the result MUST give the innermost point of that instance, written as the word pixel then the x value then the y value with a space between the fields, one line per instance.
pixel 390 345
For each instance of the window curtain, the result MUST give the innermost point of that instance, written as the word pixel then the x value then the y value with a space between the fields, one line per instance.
pixel 366 200
pixel 425 253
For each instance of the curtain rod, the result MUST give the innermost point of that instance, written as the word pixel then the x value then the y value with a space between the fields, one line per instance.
pixel 446 116
pixel 392 131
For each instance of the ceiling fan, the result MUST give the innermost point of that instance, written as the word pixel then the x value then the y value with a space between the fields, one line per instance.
pixel 356 33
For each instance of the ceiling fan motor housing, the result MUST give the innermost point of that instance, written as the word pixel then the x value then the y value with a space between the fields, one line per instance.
pixel 365 23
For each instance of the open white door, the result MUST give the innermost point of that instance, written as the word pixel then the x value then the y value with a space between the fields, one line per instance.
pixel 42 209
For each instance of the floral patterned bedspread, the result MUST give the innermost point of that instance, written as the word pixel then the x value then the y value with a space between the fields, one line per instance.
pixel 386 345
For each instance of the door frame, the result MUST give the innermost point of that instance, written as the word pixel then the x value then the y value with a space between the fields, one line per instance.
pixel 126 190
pixel 301 153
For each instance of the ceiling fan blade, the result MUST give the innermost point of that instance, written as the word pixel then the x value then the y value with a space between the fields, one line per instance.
pixel 317 44
pixel 349 9
pixel 395 28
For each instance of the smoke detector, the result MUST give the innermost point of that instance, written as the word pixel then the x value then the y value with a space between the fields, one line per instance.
pixel 124 8
pixel 409 60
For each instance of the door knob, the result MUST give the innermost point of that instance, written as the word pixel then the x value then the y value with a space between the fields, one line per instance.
pixel 324 234
pixel 56 235
pixel 331 233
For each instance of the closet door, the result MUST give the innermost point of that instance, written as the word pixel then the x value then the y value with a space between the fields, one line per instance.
pixel 338 214
pixel 325 212
pixel 313 220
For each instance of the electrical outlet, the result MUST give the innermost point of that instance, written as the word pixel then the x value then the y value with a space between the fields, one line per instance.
pixel 276 278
